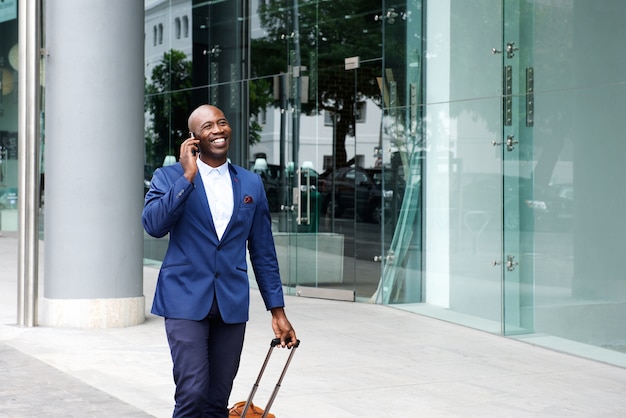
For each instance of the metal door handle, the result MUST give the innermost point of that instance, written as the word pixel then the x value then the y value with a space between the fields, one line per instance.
pixel 298 199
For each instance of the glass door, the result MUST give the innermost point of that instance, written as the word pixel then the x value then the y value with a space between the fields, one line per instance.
pixel 318 141
pixel 345 70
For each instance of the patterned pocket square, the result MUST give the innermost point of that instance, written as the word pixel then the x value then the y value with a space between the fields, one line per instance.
pixel 247 199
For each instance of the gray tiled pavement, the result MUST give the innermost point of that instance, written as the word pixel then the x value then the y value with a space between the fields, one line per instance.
pixel 30 387
pixel 356 360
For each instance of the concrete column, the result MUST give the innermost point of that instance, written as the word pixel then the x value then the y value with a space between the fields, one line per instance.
pixel 93 261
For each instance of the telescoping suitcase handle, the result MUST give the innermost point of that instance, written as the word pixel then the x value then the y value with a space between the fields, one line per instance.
pixel 273 344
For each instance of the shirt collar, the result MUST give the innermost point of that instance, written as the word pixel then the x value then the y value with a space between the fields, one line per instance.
pixel 206 169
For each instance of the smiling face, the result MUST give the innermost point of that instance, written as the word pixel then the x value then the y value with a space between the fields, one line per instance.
pixel 210 126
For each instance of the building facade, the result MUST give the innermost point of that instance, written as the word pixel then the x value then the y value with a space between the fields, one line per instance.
pixel 417 154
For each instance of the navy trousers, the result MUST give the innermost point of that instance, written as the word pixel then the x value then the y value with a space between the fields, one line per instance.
pixel 206 359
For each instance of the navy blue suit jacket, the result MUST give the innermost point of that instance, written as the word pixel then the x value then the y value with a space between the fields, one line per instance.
pixel 197 266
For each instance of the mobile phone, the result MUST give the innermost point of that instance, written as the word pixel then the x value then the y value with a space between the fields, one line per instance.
pixel 195 150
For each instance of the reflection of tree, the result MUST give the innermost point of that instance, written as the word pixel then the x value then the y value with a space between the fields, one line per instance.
pixel 168 98
pixel 329 32
pixel 260 98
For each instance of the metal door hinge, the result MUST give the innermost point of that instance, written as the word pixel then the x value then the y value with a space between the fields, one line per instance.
pixel 530 96
pixel 507 96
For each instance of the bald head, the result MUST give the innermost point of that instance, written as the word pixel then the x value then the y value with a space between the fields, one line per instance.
pixel 199 113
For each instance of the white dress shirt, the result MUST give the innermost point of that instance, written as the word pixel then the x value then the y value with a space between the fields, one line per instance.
pixel 219 191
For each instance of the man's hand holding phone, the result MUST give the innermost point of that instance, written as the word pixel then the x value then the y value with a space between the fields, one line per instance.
pixel 188 156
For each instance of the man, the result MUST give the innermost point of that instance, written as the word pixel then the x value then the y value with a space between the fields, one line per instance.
pixel 211 209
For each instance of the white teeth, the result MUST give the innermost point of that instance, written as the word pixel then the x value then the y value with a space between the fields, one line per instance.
pixel 218 140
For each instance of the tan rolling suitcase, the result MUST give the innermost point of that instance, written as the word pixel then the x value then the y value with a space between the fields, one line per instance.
pixel 246 408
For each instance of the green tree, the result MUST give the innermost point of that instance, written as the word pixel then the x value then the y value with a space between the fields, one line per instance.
pixel 167 100
pixel 320 35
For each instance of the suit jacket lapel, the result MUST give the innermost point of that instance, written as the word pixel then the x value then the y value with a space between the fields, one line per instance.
pixel 236 197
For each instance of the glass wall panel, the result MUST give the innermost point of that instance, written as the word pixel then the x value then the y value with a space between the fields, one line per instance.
pixel 580 96
pixel 168 75
pixel 463 181
pixel 402 152
pixel 8 116
pixel 195 53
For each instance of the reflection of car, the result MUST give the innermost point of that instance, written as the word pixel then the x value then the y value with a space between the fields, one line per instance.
pixel 270 174
pixel 522 204
pixel 8 198
pixel 553 206
pixel 309 176
pixel 358 188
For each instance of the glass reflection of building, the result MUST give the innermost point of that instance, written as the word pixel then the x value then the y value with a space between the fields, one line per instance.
pixel 422 155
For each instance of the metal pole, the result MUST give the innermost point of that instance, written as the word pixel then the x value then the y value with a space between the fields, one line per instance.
pixel 28 161
pixel 297 69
